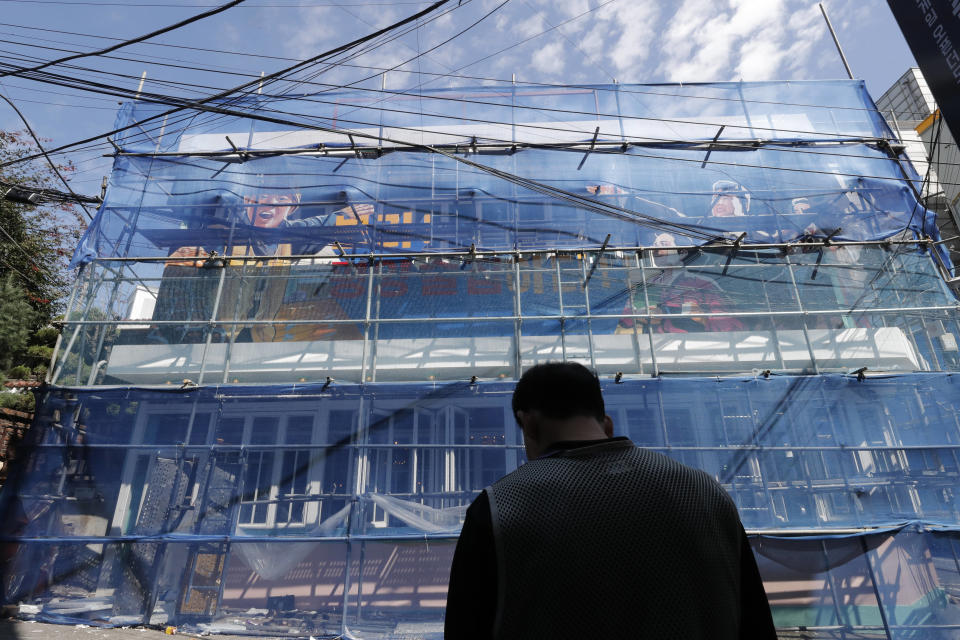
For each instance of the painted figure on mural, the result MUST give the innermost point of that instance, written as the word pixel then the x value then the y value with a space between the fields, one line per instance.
pixel 673 289
pixel 256 293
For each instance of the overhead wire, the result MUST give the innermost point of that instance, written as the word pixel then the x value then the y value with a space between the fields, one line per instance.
pixel 344 132
pixel 198 6
pixel 471 63
pixel 719 144
pixel 272 76
pixel 713 162
pixel 622 90
pixel 50 162
pixel 899 248
pixel 23 249
pixel 146 36
pixel 813 152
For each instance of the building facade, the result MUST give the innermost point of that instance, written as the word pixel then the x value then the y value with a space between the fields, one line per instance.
pixel 287 365
pixel 912 114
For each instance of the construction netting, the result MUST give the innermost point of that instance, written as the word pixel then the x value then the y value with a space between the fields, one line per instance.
pixel 528 167
pixel 287 362
pixel 330 509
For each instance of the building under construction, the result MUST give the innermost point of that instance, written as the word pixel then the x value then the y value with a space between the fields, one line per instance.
pixel 287 363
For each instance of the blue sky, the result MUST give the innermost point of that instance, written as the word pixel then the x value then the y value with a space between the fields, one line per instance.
pixel 572 41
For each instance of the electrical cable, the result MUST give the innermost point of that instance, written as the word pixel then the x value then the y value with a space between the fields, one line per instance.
pixel 718 144
pixel 260 81
pixel 401 143
pixel 198 6
pixel 50 162
pixel 841 154
pixel 484 78
pixel 394 37
pixel 142 60
pixel 33 264
pixel 899 249
pixel 126 43
pixel 573 43
pixel 272 76
pixel 714 162
pixel 26 279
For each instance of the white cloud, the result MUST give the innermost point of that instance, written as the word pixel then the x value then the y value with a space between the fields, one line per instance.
pixel 549 59
pixel 638 31
pixel 530 27
pixel 740 39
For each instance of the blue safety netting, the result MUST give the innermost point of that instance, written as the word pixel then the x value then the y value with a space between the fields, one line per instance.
pixel 699 162
pixel 300 491
pixel 318 238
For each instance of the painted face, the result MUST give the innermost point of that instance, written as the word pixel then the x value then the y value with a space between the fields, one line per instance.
pixel 664 240
pixel 273 209
pixel 667 257
pixel 723 207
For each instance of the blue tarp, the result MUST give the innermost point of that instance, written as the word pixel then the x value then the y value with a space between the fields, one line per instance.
pixel 855 495
pixel 795 452
pixel 332 509
pixel 780 170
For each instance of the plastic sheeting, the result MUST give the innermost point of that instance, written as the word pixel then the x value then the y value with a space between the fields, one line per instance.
pixel 781 168
pixel 212 505
pixel 832 309
pixel 405 289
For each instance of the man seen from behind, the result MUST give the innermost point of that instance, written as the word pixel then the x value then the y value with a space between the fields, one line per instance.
pixel 597 538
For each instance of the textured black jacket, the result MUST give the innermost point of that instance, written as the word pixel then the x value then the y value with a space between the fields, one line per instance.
pixel 606 540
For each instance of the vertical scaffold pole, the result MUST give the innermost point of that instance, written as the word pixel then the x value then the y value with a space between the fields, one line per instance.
pixel 833 34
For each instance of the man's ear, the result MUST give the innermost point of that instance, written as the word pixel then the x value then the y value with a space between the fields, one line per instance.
pixel 608 426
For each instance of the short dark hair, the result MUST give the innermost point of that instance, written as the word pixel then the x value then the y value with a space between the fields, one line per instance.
pixel 559 390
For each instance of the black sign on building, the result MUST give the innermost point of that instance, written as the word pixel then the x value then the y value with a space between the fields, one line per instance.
pixel 932 29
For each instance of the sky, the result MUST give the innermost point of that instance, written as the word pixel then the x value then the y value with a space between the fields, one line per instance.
pixel 468 43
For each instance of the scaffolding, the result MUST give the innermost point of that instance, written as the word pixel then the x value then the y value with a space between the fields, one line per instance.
pixel 286 366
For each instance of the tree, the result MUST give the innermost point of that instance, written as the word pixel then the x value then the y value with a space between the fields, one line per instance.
pixel 17 319
pixel 36 242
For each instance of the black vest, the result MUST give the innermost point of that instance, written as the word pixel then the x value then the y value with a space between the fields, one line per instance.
pixel 613 541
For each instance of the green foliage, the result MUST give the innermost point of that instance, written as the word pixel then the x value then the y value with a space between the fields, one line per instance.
pixel 45 336
pixel 36 242
pixel 35 246
pixel 17 320
pixel 23 401
pixel 39 354
pixel 19 372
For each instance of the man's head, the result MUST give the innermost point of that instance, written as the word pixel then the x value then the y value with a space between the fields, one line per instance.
pixel 728 199
pixel 272 209
pixel 559 401
pixel 667 257
pixel 800 205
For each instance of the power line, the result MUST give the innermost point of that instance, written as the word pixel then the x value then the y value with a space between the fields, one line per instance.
pixel 26 279
pixel 288 122
pixel 300 124
pixel 500 105
pixel 125 43
pixel 50 162
pixel 522 106
pixel 117 89
pixel 304 81
pixel 621 89
pixel 23 249
pixel 199 6
pixel 272 76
